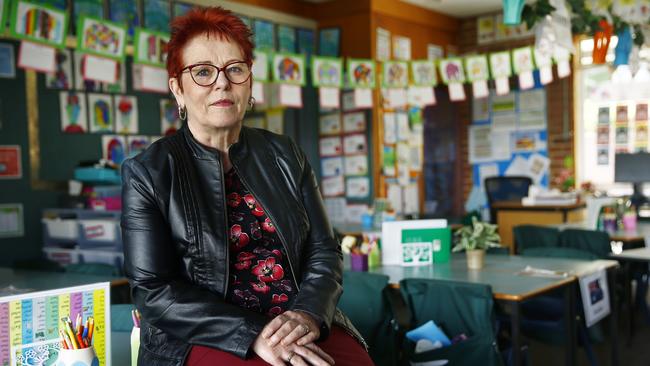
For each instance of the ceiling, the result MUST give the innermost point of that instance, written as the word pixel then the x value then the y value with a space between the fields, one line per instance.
pixel 455 8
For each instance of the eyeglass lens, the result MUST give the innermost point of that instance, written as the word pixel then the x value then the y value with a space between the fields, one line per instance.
pixel 206 75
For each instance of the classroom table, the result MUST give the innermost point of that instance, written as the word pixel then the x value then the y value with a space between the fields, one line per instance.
pixel 500 272
pixel 42 280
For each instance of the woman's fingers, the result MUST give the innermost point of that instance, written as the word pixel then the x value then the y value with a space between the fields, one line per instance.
pixel 321 353
pixel 297 360
pixel 281 333
pixel 298 333
pixel 274 325
pixel 312 357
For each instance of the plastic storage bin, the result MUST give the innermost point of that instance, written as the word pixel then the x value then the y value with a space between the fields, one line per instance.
pixel 62 256
pixel 97 175
pixel 66 229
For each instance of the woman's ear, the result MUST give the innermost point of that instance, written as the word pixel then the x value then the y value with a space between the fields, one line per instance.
pixel 176 89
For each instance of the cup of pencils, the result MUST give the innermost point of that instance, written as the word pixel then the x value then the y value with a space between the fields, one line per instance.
pixel 135 337
pixel 76 343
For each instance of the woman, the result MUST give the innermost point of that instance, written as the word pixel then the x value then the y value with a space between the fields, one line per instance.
pixel 228 249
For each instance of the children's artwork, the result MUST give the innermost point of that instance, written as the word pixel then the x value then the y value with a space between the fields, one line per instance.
pixel 79 82
pixel 327 71
pixel 181 9
pixel 361 73
pixel 603 155
pixel 150 47
pixel 331 167
pixel 501 71
pixel 603 115
pixel 170 122
pixel 73 112
pixel 289 68
pixel 51 27
pixel 137 144
pixel 260 65
pixel 357 187
pixel 602 135
pixel 100 108
pixel 477 68
pixel 395 74
pixel 522 59
pixel 451 70
pixel 126 114
pixel 306 42
pixel 621 113
pixel 330 124
pixel 641 112
pixel 119 86
pixel 423 73
pixel 101 37
pixel 114 148
pixel 286 39
pixel 330 146
pixel 92 8
pixel 355 144
pixel 10 160
pixel 125 12
pixel 264 35
pixel 156 15
pixel 62 78
pixel 356 165
pixel 333 186
pixel 329 42
pixel 354 122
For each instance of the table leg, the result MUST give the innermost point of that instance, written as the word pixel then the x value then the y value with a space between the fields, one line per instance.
pixel 613 316
pixel 570 323
pixel 627 292
pixel 515 331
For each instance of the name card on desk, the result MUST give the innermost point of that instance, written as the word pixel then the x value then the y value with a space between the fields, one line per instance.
pixel 595 296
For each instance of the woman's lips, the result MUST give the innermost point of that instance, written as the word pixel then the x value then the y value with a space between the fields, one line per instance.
pixel 223 103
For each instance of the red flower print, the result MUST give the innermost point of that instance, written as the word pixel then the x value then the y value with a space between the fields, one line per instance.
pixel 257 211
pixel 277 253
pixel 277 299
pixel 256 232
pixel 238 238
pixel 234 199
pixel 275 311
pixel 268 271
pixel 260 287
pixel 250 200
pixel 268 226
pixel 244 260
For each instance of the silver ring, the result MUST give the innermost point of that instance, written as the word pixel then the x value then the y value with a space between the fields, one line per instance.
pixel 290 356
pixel 305 329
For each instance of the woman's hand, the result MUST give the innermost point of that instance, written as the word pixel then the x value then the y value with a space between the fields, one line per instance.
pixel 290 327
pixel 280 355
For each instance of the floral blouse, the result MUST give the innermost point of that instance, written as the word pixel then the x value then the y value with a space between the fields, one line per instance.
pixel 260 276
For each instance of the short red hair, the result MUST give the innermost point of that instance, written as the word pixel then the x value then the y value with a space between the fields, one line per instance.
pixel 213 21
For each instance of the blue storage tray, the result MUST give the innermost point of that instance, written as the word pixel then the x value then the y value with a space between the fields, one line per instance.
pixel 97 175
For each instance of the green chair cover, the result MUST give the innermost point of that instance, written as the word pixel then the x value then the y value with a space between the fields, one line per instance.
pixel 532 236
pixel 121 320
pixel 456 307
pixel 559 252
pixel 364 303
pixel 596 242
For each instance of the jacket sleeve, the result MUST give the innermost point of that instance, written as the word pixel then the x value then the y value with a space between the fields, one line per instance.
pixel 167 300
pixel 322 262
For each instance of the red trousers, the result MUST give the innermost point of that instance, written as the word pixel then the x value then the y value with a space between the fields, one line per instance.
pixel 343 348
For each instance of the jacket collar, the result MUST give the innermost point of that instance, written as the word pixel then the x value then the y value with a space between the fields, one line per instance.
pixel 203 152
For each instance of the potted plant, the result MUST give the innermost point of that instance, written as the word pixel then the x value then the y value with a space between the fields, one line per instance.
pixel 475 239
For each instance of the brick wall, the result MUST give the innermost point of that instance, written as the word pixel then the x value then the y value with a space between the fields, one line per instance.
pixel 559 102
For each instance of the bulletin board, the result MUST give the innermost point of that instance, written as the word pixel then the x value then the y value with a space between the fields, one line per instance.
pixel 29 323
pixel 509 136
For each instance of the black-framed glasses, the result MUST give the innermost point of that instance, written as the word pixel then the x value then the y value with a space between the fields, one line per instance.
pixel 237 72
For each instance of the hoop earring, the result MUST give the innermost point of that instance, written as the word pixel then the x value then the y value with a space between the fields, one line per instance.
pixel 251 102
pixel 182 113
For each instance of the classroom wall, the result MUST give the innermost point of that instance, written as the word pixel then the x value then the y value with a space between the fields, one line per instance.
pixel 559 102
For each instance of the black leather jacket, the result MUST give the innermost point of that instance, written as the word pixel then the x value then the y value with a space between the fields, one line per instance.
pixel 174 228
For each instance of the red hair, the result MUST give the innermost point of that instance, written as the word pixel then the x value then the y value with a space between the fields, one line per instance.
pixel 213 21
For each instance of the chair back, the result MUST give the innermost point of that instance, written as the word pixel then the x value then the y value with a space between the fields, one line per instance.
pixel 533 236
pixel 595 242
pixel 121 320
pixel 559 252
pixel 456 307
pixel 506 188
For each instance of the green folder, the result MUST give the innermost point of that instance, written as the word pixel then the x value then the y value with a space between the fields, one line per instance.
pixel 422 246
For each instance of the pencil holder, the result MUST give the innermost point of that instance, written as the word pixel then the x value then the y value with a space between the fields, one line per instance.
pixel 135 345
pixel 359 262
pixel 77 357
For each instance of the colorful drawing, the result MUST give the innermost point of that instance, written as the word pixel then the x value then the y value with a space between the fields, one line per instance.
pixel 477 68
pixel 156 15
pixel 39 23
pixel 395 74
pixel 150 47
pixel 264 35
pixel 137 144
pixel 73 112
pixel 289 68
pixel 169 120
pixel 114 148
pixel 327 71
pixel 500 65
pixel 101 112
pixel 286 39
pixel 451 70
pixel 126 114
pixel 522 60
pixel 423 73
pixel 361 73
pixel 306 42
pixel 101 37
pixel 93 8
pixel 125 12
pixel 328 42
pixel 62 78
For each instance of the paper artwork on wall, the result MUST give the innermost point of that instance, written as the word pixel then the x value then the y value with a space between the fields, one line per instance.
pixel 361 73
pixel 156 15
pixel 423 73
pixel 452 73
pixel 286 39
pixel 501 71
pixel 402 48
pixel 641 112
pixel 101 37
pixel 330 124
pixel 11 161
pixel 37 56
pixel 357 187
pixel 260 66
pixel 355 144
pixel 73 112
pixel 126 114
pixel 137 144
pixel 395 74
pixel 354 122
pixel 125 12
pixel 522 62
pixel 93 8
pixel 330 146
pixel 101 69
pixel 289 68
pixel 478 73
pixel 150 47
pixel 327 71
pixel 329 40
pixel 332 166
pixel 79 82
pixel 329 97
pixel 62 78
pixel 114 148
pixel 356 165
pixel 388 161
pixel 382 44
pixel 100 108
pixel 7 61
pixel 119 86
pixel 12 224
pixel 264 35
pixel 306 42
pixel 170 121
pixel 51 28
pixel 333 186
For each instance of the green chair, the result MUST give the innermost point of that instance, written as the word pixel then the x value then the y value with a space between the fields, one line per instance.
pixel 533 236
pixel 596 242
pixel 364 302
pixel 457 307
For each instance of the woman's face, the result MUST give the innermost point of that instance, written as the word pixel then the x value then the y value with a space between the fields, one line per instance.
pixel 221 105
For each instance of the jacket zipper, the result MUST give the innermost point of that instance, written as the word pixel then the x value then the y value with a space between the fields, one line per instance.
pixel 277 229
pixel 225 210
